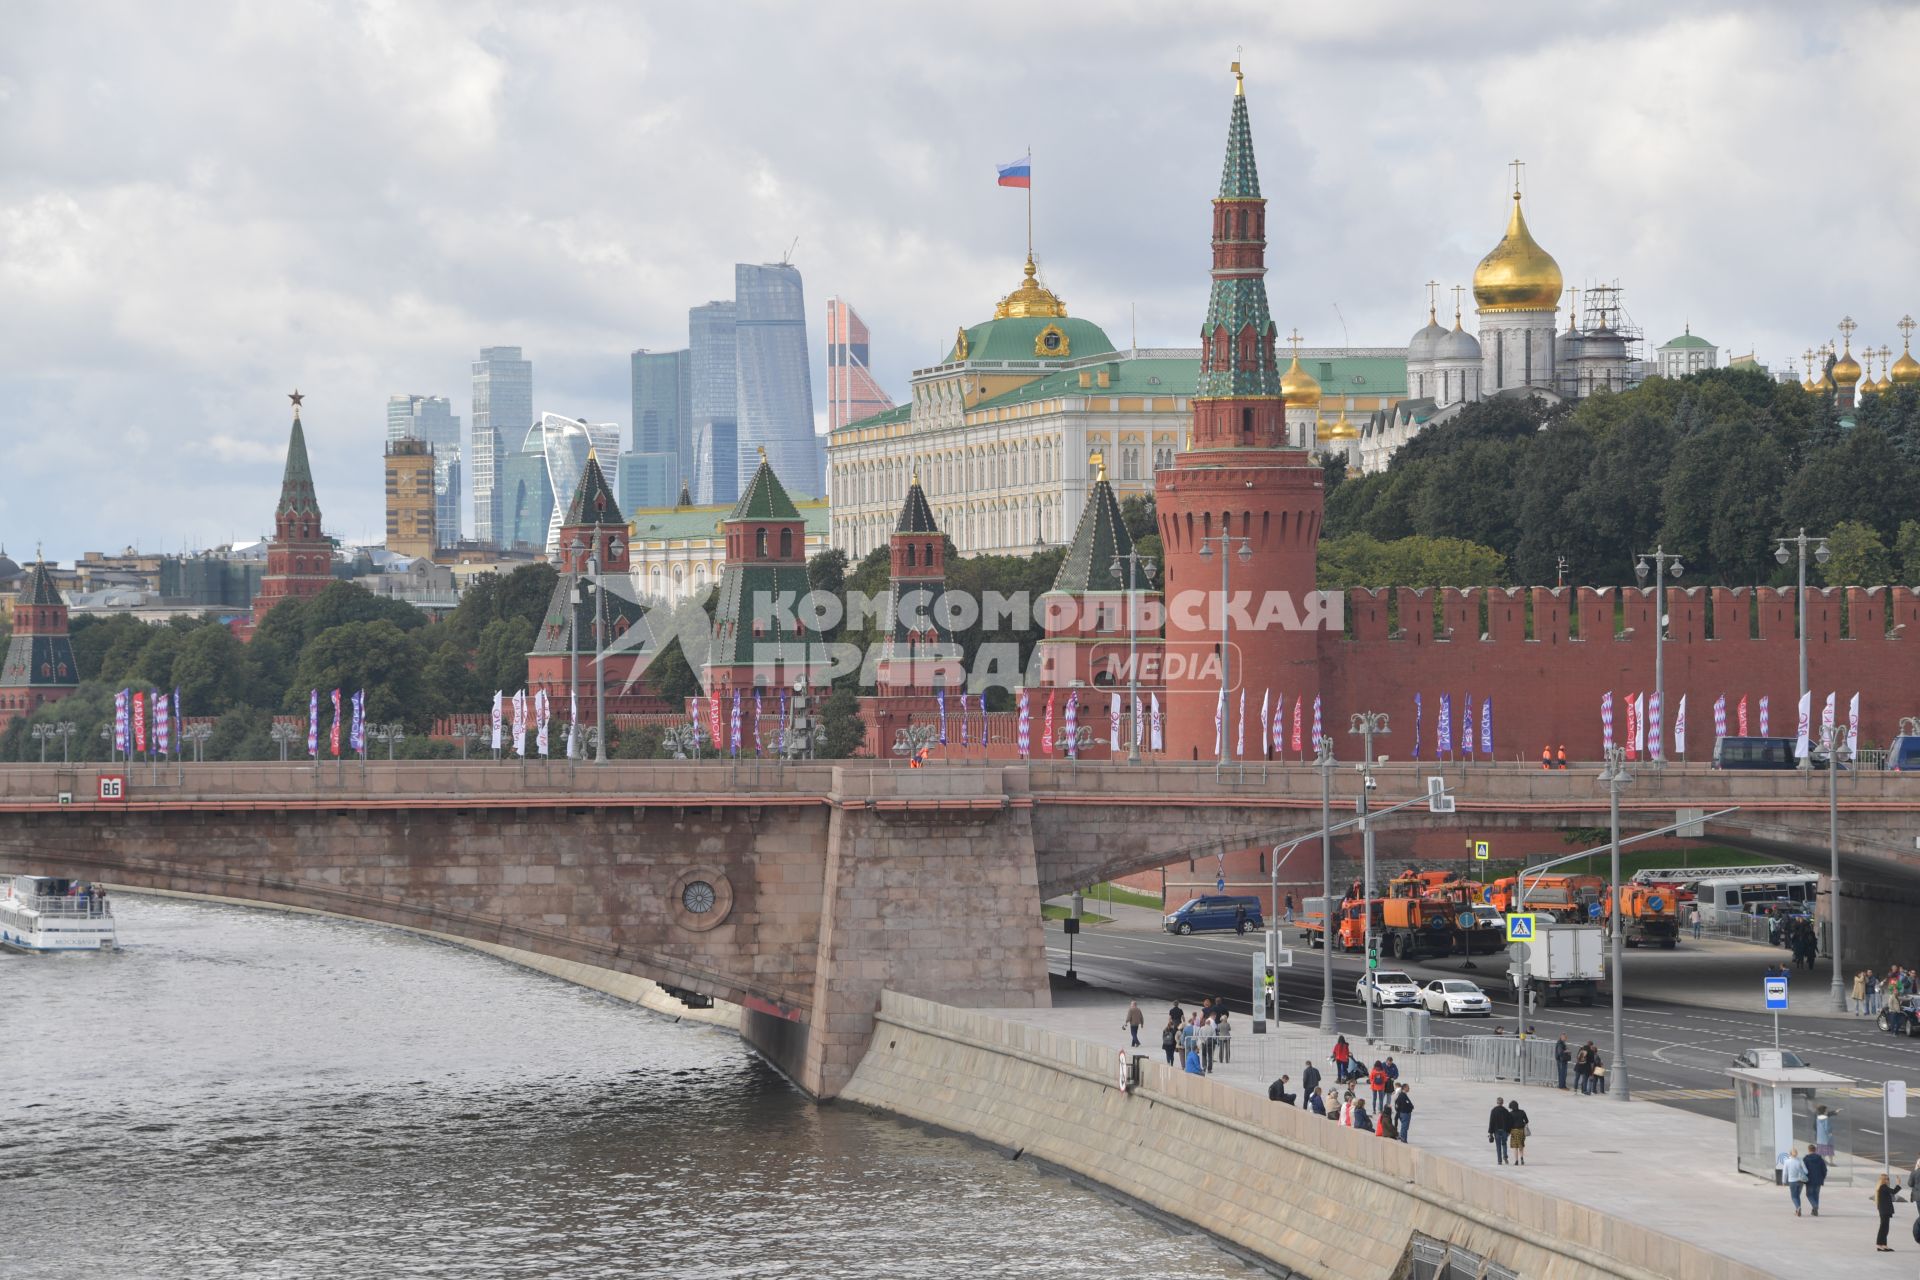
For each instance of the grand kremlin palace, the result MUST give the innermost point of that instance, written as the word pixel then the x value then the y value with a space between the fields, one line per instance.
pixel 1002 430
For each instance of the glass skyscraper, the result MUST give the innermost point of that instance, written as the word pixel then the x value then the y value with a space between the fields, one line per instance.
pixel 711 395
pixel 431 418
pixel 852 392
pixel 773 383
pixel 526 495
pixel 663 406
pixel 565 443
pixel 502 412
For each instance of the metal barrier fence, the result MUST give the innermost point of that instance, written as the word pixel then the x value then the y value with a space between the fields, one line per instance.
pixel 1759 930
pixel 1505 1058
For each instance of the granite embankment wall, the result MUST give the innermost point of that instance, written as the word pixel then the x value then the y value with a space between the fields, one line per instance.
pixel 1324 1202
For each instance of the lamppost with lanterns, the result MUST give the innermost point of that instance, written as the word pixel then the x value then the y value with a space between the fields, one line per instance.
pixel 285 734
pixel 1833 739
pixel 1323 761
pixel 1245 553
pixel 196 735
pixel 1367 724
pixel 45 733
pixel 1138 567
pixel 913 739
pixel 1615 775
pixel 1661 559
pixel 1787 549
pixel 466 735
pixel 390 733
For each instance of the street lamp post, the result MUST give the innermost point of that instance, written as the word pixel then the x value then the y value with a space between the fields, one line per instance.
pixel 1245 554
pixel 197 736
pixel 1138 566
pixel 1833 739
pixel 391 733
pixel 1323 760
pixel 573 630
pixel 1800 544
pixel 285 735
pixel 1615 775
pixel 466 734
pixel 1661 558
pixel 1367 724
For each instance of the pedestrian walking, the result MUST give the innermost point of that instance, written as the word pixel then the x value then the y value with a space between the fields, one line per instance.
pixel 1135 1020
pixel 1816 1167
pixel 1857 997
pixel 1289 916
pixel 1518 1131
pixel 1694 919
pixel 1403 1112
pixel 1823 1130
pixel 1873 995
pixel 1170 1039
pixel 1377 1082
pixel 1204 1033
pixel 1342 1059
pixel 1497 1126
pixel 1190 1035
pixel 1222 1035
pixel 1583 1068
pixel 1597 1083
pixel 1562 1058
pixel 1310 1080
pixel 1793 1172
pixel 1913 1183
pixel 1393 1073
pixel 1884 1196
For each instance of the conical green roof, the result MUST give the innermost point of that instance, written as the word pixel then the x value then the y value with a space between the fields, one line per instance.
pixel 42 590
pixel 296 485
pixel 915 515
pixel 1100 539
pixel 1239 179
pixel 765 498
pixel 593 501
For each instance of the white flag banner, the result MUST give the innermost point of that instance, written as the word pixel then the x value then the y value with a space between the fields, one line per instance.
pixel 1156 741
pixel 1826 718
pixel 1853 727
pixel 1138 728
pixel 1640 722
pixel 497 697
pixel 540 720
pixel 520 722
pixel 1260 725
pixel 1680 728
pixel 1806 724
pixel 1113 723
pixel 1220 724
pixel 1240 739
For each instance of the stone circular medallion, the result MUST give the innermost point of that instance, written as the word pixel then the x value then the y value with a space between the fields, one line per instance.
pixel 700 898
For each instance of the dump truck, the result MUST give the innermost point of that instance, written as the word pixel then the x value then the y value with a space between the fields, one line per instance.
pixel 1648 915
pixel 1403 928
pixel 1566 899
pixel 1563 962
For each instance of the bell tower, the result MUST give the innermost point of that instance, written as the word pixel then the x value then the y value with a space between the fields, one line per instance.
pixel 1238 496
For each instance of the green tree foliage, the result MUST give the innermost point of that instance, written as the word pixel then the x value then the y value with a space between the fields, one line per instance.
pixel 1857 554
pixel 827 571
pixel 1713 466
pixel 842 730
pixel 1906 549
pixel 1358 560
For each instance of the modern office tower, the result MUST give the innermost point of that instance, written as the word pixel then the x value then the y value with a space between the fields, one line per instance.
pixel 565 442
pixel 431 418
pixel 711 393
pixel 648 480
pixel 526 494
pixel 716 470
pixel 852 393
pixel 774 385
pixel 502 411
pixel 663 408
pixel 411 508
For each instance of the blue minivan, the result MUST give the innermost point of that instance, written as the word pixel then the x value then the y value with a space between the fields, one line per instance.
pixel 1216 911
pixel 1903 755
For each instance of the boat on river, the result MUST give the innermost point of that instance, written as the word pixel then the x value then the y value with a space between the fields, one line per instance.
pixel 41 914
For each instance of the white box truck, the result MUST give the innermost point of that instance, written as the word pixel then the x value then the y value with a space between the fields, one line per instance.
pixel 1563 962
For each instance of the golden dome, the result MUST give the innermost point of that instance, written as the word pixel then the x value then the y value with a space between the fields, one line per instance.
pixel 1300 389
pixel 1031 299
pixel 1341 430
pixel 1518 275
pixel 1905 371
pixel 1846 370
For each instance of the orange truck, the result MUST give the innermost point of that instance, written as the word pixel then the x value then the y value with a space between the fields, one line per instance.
pixel 1403 928
pixel 1649 916
pixel 1566 899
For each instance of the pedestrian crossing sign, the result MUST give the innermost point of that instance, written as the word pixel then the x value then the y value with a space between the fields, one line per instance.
pixel 1520 927
pixel 1480 850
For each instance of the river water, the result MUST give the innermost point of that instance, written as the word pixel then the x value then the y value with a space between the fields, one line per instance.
pixel 239 1093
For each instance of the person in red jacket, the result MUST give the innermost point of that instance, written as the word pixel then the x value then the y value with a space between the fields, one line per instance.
pixel 1377 1081
pixel 1342 1060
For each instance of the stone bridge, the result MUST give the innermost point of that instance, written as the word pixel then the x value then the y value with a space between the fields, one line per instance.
pixel 799 891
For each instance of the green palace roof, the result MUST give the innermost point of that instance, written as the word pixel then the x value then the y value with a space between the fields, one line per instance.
pixel 1016 338
pixel 670 524
pixel 1688 339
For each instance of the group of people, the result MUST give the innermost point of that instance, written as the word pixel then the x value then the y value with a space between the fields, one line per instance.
pixel 1392 1114
pixel 1796 934
pixel 1870 994
pixel 1589 1067
pixel 1805 1172
pixel 1192 1041
pixel 1508 1129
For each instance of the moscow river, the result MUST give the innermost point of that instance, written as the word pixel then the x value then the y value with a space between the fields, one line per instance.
pixel 239 1093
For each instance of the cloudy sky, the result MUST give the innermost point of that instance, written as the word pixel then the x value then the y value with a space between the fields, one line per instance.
pixel 206 203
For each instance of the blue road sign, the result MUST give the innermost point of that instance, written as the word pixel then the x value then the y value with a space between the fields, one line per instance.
pixel 1520 927
pixel 1464 920
pixel 1219 884
pixel 1656 903
pixel 1776 990
pixel 1593 911
pixel 1486 894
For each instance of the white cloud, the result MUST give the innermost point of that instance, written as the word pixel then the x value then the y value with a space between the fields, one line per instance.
pixel 206 203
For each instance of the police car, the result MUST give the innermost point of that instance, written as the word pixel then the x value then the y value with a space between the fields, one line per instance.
pixel 1388 988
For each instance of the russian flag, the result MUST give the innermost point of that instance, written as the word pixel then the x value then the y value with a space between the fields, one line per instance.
pixel 1017 174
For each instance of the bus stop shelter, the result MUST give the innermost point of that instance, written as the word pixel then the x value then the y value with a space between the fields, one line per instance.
pixel 1774 1109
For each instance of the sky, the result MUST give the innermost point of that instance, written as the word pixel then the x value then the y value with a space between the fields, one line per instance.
pixel 208 203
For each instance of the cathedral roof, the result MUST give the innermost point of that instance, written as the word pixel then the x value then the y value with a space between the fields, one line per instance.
pixel 765 499
pixel 1517 274
pixel 296 484
pixel 593 501
pixel 915 515
pixel 1099 540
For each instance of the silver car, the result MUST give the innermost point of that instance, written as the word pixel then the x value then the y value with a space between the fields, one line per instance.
pixel 1388 988
pixel 1455 997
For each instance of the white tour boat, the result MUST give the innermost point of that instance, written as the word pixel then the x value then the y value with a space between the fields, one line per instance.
pixel 50 913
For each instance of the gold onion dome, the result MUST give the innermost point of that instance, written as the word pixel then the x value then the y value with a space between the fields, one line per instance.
pixel 1518 275
pixel 1342 430
pixel 1299 388
pixel 1905 371
pixel 1031 299
pixel 1846 370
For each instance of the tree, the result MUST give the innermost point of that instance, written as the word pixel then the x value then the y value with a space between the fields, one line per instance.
pixel 1139 515
pixel 1857 557
pixel 374 656
pixel 843 731
pixel 827 571
pixel 211 669
pixel 1906 550
pixel 1360 561
pixel 500 660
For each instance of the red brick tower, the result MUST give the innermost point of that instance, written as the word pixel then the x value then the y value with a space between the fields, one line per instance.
pixel 39 666
pixel 300 557
pixel 1239 477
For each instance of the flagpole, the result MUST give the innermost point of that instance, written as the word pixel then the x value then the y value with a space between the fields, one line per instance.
pixel 1029 201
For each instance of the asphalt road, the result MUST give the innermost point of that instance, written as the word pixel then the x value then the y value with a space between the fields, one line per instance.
pixel 1677 1054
